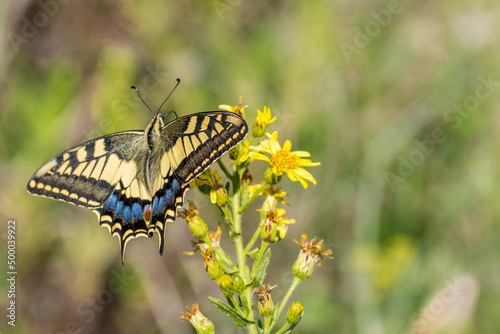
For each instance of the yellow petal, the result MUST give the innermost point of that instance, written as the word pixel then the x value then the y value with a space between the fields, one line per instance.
pixel 259 156
pixel 287 146
pixel 302 154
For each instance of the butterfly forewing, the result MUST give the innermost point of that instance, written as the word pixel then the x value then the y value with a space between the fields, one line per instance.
pixel 86 174
pixel 133 188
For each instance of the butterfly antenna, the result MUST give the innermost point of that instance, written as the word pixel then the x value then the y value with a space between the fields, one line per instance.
pixel 137 90
pixel 177 84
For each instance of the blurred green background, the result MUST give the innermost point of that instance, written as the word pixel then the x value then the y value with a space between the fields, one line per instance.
pixel 396 99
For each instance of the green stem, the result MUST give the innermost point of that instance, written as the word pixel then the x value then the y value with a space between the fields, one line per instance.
pixel 254 237
pixel 224 169
pixel 262 250
pixel 283 329
pixel 238 242
pixel 283 303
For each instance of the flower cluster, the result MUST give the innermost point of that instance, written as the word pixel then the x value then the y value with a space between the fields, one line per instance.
pixel 237 280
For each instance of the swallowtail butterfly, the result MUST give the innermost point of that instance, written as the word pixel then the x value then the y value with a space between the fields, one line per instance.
pixel 135 180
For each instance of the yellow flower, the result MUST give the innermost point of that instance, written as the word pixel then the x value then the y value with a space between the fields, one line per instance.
pixel 277 193
pixel 274 228
pixel 282 160
pixel 262 121
pixel 237 109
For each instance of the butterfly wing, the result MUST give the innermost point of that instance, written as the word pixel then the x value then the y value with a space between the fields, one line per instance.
pixel 135 190
pixel 189 145
pixel 94 174
pixel 86 174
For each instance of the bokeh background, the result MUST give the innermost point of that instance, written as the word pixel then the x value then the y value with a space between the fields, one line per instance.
pixel 398 100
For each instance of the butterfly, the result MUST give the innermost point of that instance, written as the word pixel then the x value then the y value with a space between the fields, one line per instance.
pixel 135 180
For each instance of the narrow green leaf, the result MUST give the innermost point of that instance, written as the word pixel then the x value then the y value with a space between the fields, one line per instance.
pixel 239 320
pixel 260 273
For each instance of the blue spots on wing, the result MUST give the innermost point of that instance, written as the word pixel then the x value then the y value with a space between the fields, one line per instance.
pixel 155 205
pixel 136 211
pixel 119 209
pixel 175 185
pixel 168 196
pixel 161 203
pixel 112 200
pixel 127 213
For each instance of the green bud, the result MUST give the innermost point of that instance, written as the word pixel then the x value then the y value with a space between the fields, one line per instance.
pixel 201 324
pixel 226 285
pixel 258 129
pixel 239 285
pixel 214 271
pixel 266 306
pixel 198 227
pixel 218 196
pixel 272 178
pixel 295 312
pixel 304 265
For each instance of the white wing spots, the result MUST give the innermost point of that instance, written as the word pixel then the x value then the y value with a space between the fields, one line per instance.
pixel 110 168
pixel 164 166
pixel 88 170
pixel 81 154
pixel 191 126
pixel 219 127
pixel 203 137
pixel 99 148
pixel 98 169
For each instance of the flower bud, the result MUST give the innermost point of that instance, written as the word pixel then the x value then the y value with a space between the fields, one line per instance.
pixel 261 122
pixel 266 304
pixel 294 313
pixel 310 254
pixel 213 269
pixel 239 285
pixel 226 285
pixel 196 225
pixel 201 324
pixel 218 195
pixel 272 178
pixel 270 231
pixel 266 307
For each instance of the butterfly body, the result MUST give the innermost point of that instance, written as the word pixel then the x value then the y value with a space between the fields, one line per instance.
pixel 135 180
